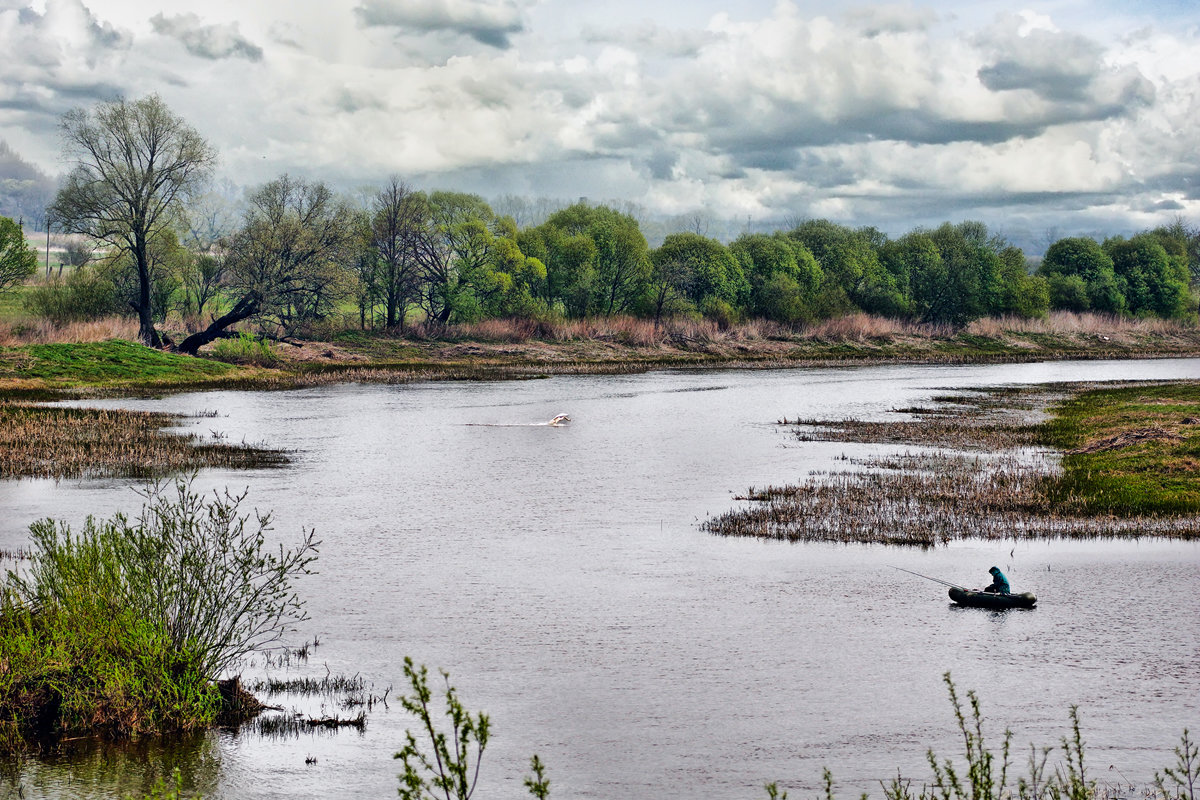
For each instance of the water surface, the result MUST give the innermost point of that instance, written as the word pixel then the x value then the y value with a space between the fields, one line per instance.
pixel 560 576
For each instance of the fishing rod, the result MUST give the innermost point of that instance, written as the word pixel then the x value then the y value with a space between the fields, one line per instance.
pixel 935 580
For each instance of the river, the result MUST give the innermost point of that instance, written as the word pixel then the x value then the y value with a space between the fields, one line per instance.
pixel 559 575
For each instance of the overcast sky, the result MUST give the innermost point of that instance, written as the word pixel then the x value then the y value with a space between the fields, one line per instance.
pixel 1062 114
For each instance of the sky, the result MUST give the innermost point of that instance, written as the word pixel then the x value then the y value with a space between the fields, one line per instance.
pixel 1054 116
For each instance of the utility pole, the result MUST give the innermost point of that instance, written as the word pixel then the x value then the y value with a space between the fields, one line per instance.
pixel 47 244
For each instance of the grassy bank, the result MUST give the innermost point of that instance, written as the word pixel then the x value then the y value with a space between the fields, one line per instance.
pixel 32 362
pixel 1130 469
pixel 1129 450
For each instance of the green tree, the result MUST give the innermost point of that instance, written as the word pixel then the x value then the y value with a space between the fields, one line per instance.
pixel 1155 284
pixel 850 259
pixel 134 163
pixel 517 280
pixel 1020 294
pixel 455 254
pixel 971 263
pixel 711 270
pixel 17 259
pixel 1083 258
pixel 1182 243
pixel 783 276
pixel 569 259
pixel 620 264
pixel 916 258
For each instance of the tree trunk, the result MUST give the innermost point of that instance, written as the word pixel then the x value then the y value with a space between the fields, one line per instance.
pixel 146 331
pixel 245 308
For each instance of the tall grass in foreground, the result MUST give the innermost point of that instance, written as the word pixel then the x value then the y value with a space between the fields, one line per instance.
pixel 985 773
pixel 123 628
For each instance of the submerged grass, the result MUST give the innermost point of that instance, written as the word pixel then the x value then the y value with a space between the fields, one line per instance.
pixel 59 442
pixel 1131 469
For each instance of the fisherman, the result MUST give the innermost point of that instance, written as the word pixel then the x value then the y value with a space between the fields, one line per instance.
pixel 999 583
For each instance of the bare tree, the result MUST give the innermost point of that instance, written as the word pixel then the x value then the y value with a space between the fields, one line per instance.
pixel 133 163
pixel 287 262
pixel 78 252
pixel 396 230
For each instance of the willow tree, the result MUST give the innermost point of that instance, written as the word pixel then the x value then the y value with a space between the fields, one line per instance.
pixel 133 163
pixel 287 263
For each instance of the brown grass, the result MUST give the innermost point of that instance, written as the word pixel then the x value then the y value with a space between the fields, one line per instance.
pixel 60 442
pixel 1070 323
pixel 41 331
pixel 865 327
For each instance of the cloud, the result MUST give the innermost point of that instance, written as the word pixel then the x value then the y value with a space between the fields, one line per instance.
pixel 884 19
pixel 651 39
pixel 206 41
pixel 882 113
pixel 56 59
pixel 490 23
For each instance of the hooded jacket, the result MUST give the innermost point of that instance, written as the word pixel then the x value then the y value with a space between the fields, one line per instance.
pixel 999 582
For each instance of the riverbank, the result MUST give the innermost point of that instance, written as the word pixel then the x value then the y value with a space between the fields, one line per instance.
pixel 1074 461
pixel 517 349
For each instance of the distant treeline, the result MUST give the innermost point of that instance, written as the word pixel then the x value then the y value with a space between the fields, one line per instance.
pixel 300 254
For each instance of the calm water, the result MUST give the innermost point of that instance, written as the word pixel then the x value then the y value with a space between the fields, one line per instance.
pixel 559 575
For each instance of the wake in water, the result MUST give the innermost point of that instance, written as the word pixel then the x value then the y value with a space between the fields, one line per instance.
pixel 554 423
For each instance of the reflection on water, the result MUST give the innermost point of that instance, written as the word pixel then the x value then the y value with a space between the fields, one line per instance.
pixel 90 768
pixel 559 574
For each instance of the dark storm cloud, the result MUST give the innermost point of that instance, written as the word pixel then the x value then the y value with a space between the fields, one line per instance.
pixel 1061 68
pixel 213 42
pixel 490 23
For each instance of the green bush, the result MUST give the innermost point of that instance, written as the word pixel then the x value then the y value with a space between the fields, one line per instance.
pixel 83 295
pixel 122 628
pixel 245 349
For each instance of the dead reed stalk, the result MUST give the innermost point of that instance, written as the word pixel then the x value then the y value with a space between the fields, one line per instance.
pixel 58 442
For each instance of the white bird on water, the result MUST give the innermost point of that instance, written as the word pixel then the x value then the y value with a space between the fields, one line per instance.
pixel 559 420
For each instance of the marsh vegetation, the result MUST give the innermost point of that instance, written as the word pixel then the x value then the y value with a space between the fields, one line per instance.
pixel 987 468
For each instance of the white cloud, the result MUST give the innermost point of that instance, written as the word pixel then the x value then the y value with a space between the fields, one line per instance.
pixel 206 41
pixel 882 112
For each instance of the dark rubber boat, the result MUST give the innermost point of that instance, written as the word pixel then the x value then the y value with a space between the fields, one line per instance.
pixel 966 597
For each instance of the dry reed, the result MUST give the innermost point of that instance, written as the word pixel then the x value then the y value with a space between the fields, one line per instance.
pixel 59 442
pixel 42 331
pixel 866 327
pixel 1067 323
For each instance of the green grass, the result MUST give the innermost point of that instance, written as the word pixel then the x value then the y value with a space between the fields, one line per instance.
pixel 12 303
pixel 114 361
pixel 1108 471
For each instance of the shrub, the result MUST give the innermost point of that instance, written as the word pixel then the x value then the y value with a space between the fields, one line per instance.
pixel 85 294
pixel 124 627
pixel 245 349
